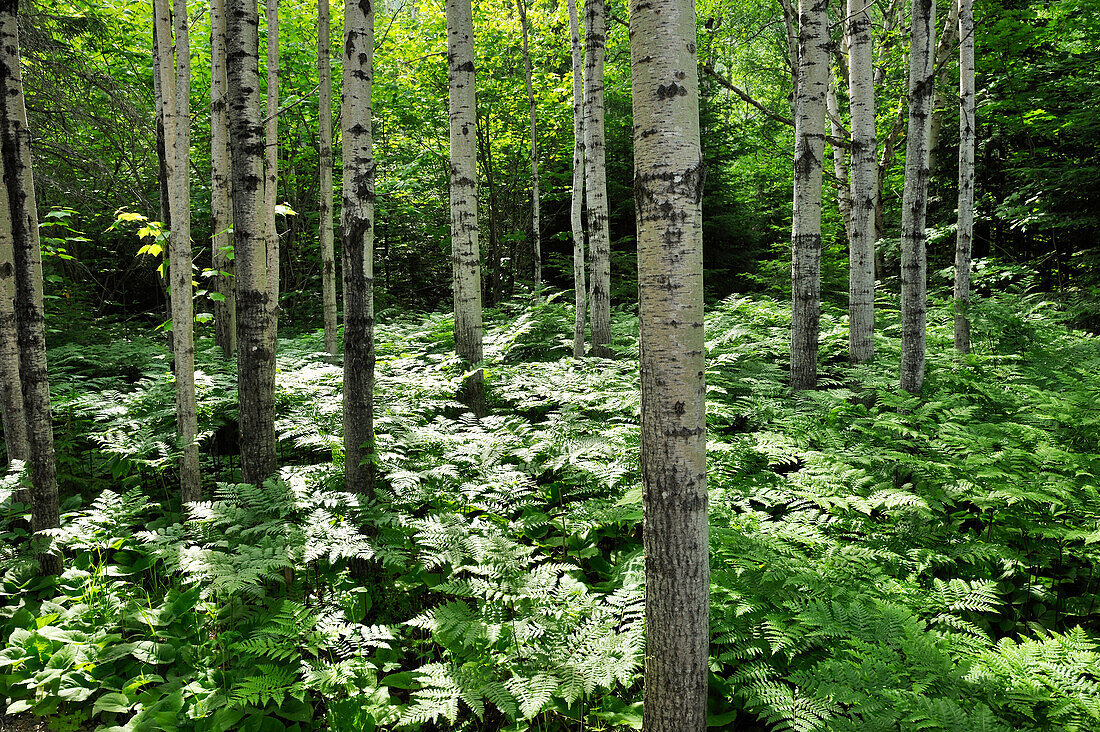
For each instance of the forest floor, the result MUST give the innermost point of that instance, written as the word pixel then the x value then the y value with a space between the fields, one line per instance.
pixel 879 561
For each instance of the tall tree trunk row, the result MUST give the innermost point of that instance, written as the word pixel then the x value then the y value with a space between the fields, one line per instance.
pixel 812 86
pixel 358 249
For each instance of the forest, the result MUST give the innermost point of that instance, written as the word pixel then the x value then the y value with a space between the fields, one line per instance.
pixel 438 365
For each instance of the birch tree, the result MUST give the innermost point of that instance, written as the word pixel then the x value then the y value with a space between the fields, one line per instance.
pixel 577 196
pixel 668 189
pixel 863 179
pixel 464 249
pixel 271 167
pixel 536 240
pixel 914 205
pixel 967 136
pixel 15 149
pixel 255 352
pixel 11 392
pixel 174 71
pixel 358 249
pixel 595 176
pixel 221 212
pixel 809 148
pixel 324 122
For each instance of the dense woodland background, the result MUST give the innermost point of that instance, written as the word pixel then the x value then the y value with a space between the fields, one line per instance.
pixel 880 560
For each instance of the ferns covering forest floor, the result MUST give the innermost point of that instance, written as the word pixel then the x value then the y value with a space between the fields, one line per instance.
pixel 880 561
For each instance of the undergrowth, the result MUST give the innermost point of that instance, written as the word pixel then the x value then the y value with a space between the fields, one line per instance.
pixel 879 561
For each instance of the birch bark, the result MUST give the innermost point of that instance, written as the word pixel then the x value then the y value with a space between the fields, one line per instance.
pixel 967 136
pixel 595 176
pixel 358 249
pixel 536 238
pixel 863 178
pixel 914 204
pixel 11 392
pixel 255 352
pixel 324 114
pixel 668 189
pixel 580 295
pixel 221 211
pixel 813 68
pixel 15 143
pixel 464 248
pixel 271 167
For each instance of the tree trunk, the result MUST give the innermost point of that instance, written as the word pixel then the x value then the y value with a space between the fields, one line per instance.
pixel 464 249
pixel 162 180
pixel 11 392
pixel 595 176
pixel 942 54
pixel 580 296
pixel 809 150
pixel 271 167
pixel 668 189
pixel 840 165
pixel 967 136
pixel 15 140
pixel 221 212
pixel 255 354
pixel 863 178
pixel 328 256
pixel 358 229
pixel 175 85
pixel 914 285
pixel 536 241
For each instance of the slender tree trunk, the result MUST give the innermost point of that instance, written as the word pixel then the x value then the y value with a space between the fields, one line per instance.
pixel 175 85
pixel 11 392
pixel 255 353
pixel 863 177
pixel 221 211
pixel 914 285
pixel 942 54
pixel 328 256
pixel 840 165
pixel 595 176
pixel 577 198
pixel 271 167
pixel 967 136
pixel 358 228
pixel 15 141
pixel 464 249
pixel 162 177
pixel 668 189
pixel 809 150
pixel 536 240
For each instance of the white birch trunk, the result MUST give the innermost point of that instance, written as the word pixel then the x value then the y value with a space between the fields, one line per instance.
pixel 668 189
pixel 11 392
pixel 863 179
pixel 914 206
pixel 221 210
pixel 840 163
pixel 464 245
pixel 324 115
pixel 536 236
pixel 595 177
pixel 967 137
pixel 580 295
pixel 175 84
pixel 15 142
pixel 813 69
pixel 358 249
pixel 255 350
pixel 271 165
